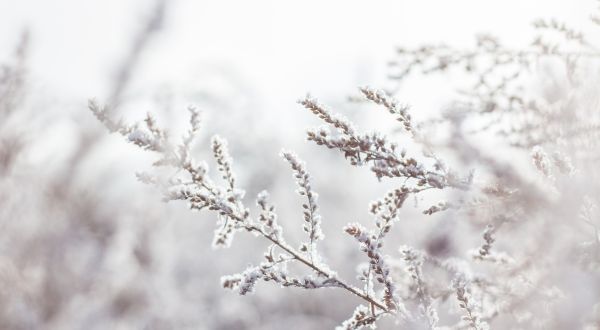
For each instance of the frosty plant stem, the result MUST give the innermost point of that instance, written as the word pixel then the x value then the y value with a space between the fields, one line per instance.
pixel 556 130
pixel 297 256
pixel 319 270
pixel 201 192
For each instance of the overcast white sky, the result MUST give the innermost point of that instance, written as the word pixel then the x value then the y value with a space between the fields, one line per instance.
pixel 278 49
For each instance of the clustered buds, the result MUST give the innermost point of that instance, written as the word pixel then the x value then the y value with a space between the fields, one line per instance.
pixel 485 252
pixel 386 210
pixel 441 206
pixel 371 245
pixel 380 97
pixel 267 216
pixel 219 148
pixel 465 302
pixel 312 220
pixel 274 270
pixel 244 282
pixel 337 121
pixel 489 240
pixel 360 318
pixel 150 137
pixel 551 164
pixel 362 148
pixel 414 261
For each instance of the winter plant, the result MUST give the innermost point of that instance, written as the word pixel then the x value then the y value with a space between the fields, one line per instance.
pixel 518 219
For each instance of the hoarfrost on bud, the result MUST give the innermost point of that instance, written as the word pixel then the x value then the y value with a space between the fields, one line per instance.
pixel 249 278
pixel 139 137
pixel 146 178
pixel 312 219
pixel 541 161
pixel 360 318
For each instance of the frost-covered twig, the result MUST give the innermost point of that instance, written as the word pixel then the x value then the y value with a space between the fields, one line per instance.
pixel 377 263
pixel 386 158
pixel 422 279
pixel 468 305
pixel 203 193
pixel 414 260
pixel 312 218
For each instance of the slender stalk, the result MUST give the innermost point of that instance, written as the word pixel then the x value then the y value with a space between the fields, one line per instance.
pixel 316 268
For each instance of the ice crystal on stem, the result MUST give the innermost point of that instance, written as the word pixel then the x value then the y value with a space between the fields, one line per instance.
pixel 401 111
pixel 414 261
pixel 312 218
pixel 227 201
pixel 468 305
pixel 371 246
pixel 385 157
pixel 360 319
